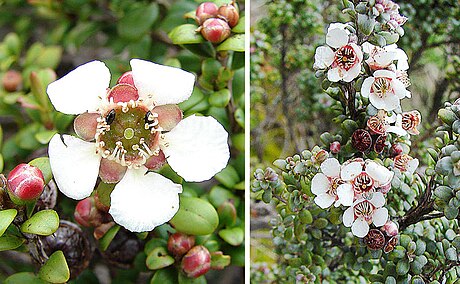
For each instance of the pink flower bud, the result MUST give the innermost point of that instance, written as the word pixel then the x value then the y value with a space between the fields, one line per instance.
pixel 179 244
pixel 25 183
pixel 12 81
pixel 126 78
pixel 205 11
pixel 87 214
pixel 215 30
pixel 395 150
pixel 196 262
pixel 390 228
pixel 229 12
pixel 335 147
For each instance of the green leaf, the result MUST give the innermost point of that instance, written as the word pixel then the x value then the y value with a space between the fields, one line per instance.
pixel 159 258
pixel 219 260
pixel 55 270
pixel 163 276
pixel 104 190
pixel 49 57
pixel 185 280
pixel 220 98
pixel 239 28
pixel 218 195
pixel 154 243
pixel 228 177
pixel 195 217
pixel 24 277
pixel 138 22
pixel 402 267
pixel 105 241
pixel 10 242
pixel 233 236
pixel 185 34
pixel 42 223
pixel 6 217
pixel 235 43
pixel 44 137
pixel 43 163
pixel 239 117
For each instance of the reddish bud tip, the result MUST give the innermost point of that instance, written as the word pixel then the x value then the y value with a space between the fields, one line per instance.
pixel 215 30
pixel 12 81
pixel 179 244
pixel 196 262
pixel 390 228
pixel 229 13
pixel 126 78
pixel 87 214
pixel 335 147
pixel 25 183
pixel 205 11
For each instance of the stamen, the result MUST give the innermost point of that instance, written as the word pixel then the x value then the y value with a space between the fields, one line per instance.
pixel 381 86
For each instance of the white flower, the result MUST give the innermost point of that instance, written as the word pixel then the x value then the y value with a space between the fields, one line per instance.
pixel 128 129
pixel 365 178
pixel 384 90
pixel 382 124
pixel 383 58
pixel 328 186
pixel 406 163
pixel 343 58
pixel 364 212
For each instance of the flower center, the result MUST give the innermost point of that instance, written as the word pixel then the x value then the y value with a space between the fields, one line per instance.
pixel 334 184
pixel 345 57
pixel 365 210
pixel 128 133
pixel 401 162
pixel 363 183
pixel 376 125
pixel 381 86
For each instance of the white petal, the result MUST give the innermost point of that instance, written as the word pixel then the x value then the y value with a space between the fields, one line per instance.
pixel 385 74
pixel 358 51
pixel 75 165
pixel 368 47
pixel 333 74
pixel 378 200
pixel 380 217
pixel 79 91
pixel 324 200
pixel 324 56
pixel 164 84
pixel 141 201
pixel 352 73
pixel 391 102
pixel 348 217
pixel 331 167
pixel 340 26
pixel 396 130
pixel 336 38
pixel 399 88
pixel 360 228
pixel 366 87
pixel 351 170
pixel 197 148
pixel 319 184
pixel 346 194
pixel 378 172
pixel 412 165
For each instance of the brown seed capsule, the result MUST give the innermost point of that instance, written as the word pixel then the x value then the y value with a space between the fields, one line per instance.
pixel 396 149
pixel 391 244
pixel 361 140
pixel 229 12
pixel 215 30
pixel 49 196
pixel 375 239
pixel 379 144
pixel 123 249
pixel 205 11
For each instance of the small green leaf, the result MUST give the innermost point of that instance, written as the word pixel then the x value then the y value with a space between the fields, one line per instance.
pixel 185 34
pixel 24 277
pixel 42 223
pixel 159 258
pixel 154 243
pixel 235 43
pixel 233 236
pixel 44 137
pixel 6 217
pixel 239 117
pixel 185 280
pixel 43 163
pixel 228 177
pixel 167 275
pixel 219 260
pixel 239 28
pixel 195 217
pixel 55 270
pixel 402 267
pixel 10 242
pixel 138 22
pixel 220 98
pixel 105 241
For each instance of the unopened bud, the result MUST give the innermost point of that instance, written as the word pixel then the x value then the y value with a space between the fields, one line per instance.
pixel 12 81
pixel 196 262
pixel 320 156
pixel 205 11
pixel 215 30
pixel 229 12
pixel 335 147
pixel 390 228
pixel 25 183
pixel 87 214
pixel 179 243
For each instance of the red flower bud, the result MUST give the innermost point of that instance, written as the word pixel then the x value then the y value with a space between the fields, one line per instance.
pixel 25 183
pixel 12 81
pixel 196 262
pixel 229 12
pixel 205 11
pixel 87 214
pixel 390 228
pixel 215 30
pixel 179 244
pixel 335 147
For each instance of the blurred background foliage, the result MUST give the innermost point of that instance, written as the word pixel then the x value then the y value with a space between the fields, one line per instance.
pixel 289 110
pixel 42 40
